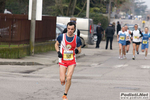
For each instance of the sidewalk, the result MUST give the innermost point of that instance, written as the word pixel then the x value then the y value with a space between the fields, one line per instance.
pixel 48 58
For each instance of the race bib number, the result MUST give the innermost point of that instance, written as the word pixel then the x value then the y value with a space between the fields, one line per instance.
pixel 144 41
pixel 135 37
pixel 122 38
pixel 68 55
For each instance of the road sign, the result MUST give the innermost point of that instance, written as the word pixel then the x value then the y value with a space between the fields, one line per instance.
pixel 39 7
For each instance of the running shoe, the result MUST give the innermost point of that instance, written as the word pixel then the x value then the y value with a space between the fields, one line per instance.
pixel 133 58
pixel 62 83
pixel 137 53
pixel 64 97
pixel 120 57
pixel 145 58
pixel 124 57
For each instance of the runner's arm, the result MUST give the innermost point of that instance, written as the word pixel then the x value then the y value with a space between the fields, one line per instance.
pixel 130 32
pixel 79 49
pixel 132 35
pixel 141 34
pixel 79 43
pixel 118 37
pixel 59 39
pixel 57 46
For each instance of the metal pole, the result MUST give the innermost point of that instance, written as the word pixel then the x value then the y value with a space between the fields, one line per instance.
pixel 109 10
pixel 87 8
pixel 32 28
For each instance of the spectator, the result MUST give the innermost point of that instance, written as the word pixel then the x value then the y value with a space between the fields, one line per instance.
pixel 113 25
pixel 118 27
pixel 109 35
pixel 99 31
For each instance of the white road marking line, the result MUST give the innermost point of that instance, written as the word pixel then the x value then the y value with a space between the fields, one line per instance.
pixel 94 64
pixel 119 66
pixel 145 66
pixel 140 53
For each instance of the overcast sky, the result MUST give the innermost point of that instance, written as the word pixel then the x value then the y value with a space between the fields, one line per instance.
pixel 148 3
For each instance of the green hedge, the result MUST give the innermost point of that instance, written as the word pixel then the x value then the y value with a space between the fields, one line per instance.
pixel 97 18
pixel 22 51
pixel 100 18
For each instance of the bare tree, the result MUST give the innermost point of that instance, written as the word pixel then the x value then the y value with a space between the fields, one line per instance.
pixel 71 7
pixel 59 5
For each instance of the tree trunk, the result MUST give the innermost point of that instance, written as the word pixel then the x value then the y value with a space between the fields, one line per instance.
pixel 109 10
pixel 82 9
pixel 69 8
pixel 2 6
pixel 74 6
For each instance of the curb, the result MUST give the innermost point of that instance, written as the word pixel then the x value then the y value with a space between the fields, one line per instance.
pixel 33 63
pixel 20 63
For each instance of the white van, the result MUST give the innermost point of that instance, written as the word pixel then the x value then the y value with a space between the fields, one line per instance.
pixel 85 26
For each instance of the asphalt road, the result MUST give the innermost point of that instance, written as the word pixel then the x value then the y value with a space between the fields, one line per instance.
pixel 99 75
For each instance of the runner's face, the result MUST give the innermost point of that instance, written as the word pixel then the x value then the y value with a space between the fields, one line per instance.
pixel 70 29
pixel 126 28
pixel 135 27
pixel 146 30
pixel 123 29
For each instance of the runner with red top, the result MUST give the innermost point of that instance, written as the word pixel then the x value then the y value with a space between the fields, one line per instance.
pixel 70 45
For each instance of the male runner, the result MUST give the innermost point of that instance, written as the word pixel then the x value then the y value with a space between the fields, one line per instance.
pixel 70 45
pixel 135 36
pixel 145 41
pixel 121 38
pixel 128 40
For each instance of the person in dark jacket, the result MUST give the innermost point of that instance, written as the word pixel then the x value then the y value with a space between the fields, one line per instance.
pixel 109 35
pixel 77 32
pixel 118 27
pixel 99 31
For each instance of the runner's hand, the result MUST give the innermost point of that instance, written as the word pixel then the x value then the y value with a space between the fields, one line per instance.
pixel 59 54
pixel 76 51
pixel 138 37
pixel 117 40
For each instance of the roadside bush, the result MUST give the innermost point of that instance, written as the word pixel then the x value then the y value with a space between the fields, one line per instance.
pixel 97 18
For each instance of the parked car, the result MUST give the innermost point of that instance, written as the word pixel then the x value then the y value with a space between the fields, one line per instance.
pixel 59 29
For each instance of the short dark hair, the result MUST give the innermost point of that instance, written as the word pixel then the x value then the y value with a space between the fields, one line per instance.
pixel 136 25
pixel 71 23
pixel 147 28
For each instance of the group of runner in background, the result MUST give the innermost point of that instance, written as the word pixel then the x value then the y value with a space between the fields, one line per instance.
pixel 125 37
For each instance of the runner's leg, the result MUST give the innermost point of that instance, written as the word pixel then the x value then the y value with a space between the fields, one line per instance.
pixel 120 47
pixel 146 52
pixel 124 47
pixel 134 49
pixel 137 48
pixel 62 71
pixel 127 48
pixel 69 77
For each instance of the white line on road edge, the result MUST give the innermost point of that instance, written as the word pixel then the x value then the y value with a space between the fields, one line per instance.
pixel 145 66
pixel 118 66
pixel 141 53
